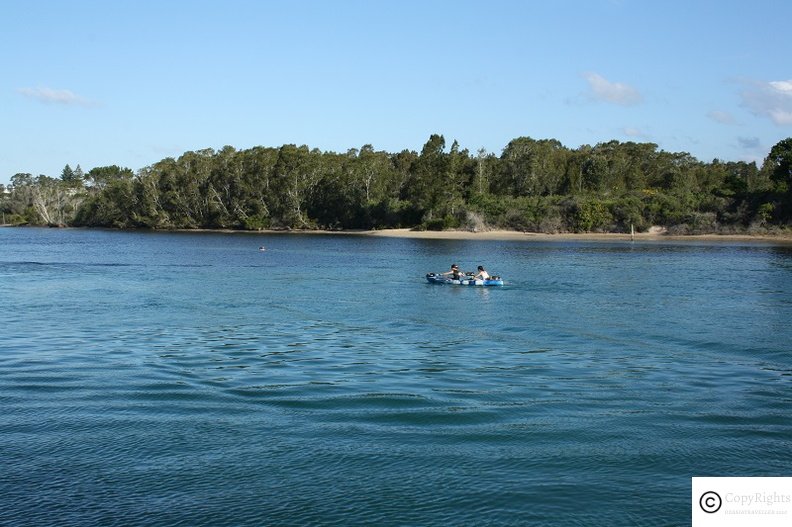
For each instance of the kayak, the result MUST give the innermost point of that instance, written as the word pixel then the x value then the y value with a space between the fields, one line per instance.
pixel 436 278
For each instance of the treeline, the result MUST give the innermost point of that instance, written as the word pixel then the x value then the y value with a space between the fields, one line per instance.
pixel 534 185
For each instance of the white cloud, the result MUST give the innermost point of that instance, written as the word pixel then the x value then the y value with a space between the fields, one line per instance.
pixel 770 99
pixel 782 86
pixel 51 96
pixel 722 117
pixel 614 92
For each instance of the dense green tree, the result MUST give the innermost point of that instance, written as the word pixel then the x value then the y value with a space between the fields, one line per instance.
pixel 67 174
pixel 297 171
pixel 79 175
pixel 20 202
pixel 575 171
pixel 517 176
pixel 42 200
pixel 532 167
pixel 484 162
pixel 426 184
pixel 113 207
pixel 72 178
pixel 99 177
pixel 252 196
pixel 778 165
pixel 777 169
pixel 533 185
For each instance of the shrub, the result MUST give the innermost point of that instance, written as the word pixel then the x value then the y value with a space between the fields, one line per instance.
pixel 257 222
pixel 588 214
pixel 765 212
pixel 628 211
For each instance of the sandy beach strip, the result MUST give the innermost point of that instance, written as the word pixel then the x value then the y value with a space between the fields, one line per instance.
pixel 504 235
pixel 534 236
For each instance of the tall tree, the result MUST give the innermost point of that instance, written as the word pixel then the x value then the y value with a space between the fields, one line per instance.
pixel 297 172
pixel 778 166
pixel 99 177
pixel 67 174
pixel 533 168
pixel 484 162
pixel 78 173
pixel 428 177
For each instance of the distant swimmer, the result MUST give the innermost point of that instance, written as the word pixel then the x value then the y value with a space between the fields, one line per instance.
pixel 262 248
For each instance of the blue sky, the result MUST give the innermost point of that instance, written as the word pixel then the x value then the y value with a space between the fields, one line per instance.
pixel 97 83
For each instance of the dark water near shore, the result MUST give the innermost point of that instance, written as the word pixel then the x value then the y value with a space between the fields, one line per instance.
pixel 189 379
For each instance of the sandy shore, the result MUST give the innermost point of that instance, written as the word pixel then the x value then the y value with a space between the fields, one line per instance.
pixel 778 239
pixel 533 236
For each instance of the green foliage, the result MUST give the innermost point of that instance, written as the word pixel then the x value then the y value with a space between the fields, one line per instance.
pixel 779 165
pixel 589 214
pixel 628 213
pixel 534 185
pixel 765 212
pixel 490 206
pixel 111 208
pixel 68 174
pixel 778 169
pixel 532 168
pixel 394 213
pixel 257 222
pixel 43 200
pixel 99 177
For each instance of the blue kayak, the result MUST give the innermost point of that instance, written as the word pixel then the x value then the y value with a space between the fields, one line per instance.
pixel 436 278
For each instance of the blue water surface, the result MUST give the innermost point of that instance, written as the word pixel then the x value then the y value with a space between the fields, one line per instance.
pixel 190 379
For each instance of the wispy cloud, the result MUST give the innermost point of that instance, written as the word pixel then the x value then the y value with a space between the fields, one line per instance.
pixel 52 96
pixel 752 149
pixel 635 132
pixel 601 89
pixel 769 99
pixel 722 117
pixel 749 143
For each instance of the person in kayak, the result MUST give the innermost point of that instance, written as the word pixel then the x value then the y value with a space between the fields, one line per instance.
pixel 455 273
pixel 482 274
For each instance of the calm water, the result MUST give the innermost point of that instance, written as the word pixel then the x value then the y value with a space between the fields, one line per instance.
pixel 189 379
